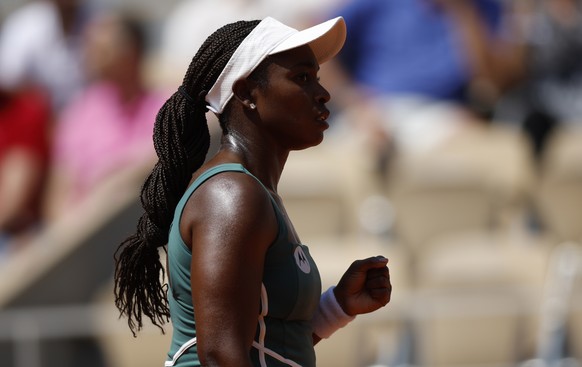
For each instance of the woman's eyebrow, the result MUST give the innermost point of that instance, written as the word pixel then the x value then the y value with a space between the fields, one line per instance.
pixel 307 64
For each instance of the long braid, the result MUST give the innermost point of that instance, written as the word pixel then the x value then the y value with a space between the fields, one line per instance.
pixel 181 141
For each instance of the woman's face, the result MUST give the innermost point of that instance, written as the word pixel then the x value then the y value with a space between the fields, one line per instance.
pixel 291 105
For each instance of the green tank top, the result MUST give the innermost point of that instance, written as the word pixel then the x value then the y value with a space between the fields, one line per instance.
pixel 291 288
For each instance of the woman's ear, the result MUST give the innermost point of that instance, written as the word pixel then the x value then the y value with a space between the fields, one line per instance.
pixel 242 92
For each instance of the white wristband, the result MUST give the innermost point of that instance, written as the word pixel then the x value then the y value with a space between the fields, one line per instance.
pixel 329 316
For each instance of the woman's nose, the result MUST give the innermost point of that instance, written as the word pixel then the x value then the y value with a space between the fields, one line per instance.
pixel 323 95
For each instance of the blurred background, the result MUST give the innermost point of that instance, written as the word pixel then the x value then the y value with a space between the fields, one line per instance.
pixel 455 150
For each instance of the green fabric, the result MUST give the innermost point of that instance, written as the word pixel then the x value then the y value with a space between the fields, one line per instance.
pixel 291 280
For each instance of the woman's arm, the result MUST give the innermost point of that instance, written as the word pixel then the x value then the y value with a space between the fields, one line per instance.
pixel 365 287
pixel 231 223
pixel 21 174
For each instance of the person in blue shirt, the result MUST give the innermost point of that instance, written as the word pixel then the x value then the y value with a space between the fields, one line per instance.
pixel 425 67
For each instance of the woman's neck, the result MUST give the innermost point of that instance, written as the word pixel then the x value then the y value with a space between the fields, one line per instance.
pixel 263 161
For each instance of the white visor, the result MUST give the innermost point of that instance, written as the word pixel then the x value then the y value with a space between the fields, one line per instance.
pixel 270 37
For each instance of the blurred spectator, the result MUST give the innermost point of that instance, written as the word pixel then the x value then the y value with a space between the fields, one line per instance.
pixel 24 123
pixel 188 25
pixel 108 127
pixel 39 45
pixel 419 66
pixel 551 93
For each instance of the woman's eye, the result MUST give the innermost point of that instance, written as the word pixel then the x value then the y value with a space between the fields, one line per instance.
pixel 303 77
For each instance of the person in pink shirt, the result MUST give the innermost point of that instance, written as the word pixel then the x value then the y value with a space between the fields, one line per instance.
pixel 108 127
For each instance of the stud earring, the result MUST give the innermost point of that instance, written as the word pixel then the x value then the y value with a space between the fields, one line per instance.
pixel 252 106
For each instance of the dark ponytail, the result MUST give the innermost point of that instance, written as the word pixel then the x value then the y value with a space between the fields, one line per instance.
pixel 181 140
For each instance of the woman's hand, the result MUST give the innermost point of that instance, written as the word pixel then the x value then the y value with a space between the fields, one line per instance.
pixel 365 286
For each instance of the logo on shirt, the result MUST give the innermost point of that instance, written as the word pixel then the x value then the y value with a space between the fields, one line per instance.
pixel 301 260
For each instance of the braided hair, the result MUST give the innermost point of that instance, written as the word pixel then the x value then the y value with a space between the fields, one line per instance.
pixel 181 140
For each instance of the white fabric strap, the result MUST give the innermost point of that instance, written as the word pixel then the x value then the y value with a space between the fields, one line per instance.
pixel 267 35
pixel 266 351
pixel 190 343
pixel 329 316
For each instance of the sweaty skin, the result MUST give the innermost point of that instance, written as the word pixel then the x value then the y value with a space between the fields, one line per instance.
pixel 229 222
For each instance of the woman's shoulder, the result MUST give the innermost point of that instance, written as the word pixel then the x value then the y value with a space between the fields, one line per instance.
pixel 230 181
pixel 228 189
pixel 229 199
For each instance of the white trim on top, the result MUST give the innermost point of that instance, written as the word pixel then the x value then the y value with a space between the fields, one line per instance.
pixel 180 351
